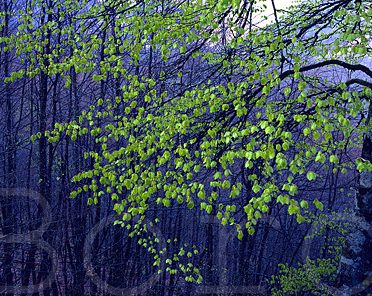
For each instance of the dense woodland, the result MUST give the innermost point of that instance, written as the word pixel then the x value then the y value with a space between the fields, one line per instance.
pixel 185 147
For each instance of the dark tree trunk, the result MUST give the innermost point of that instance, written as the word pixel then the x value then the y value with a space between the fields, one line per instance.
pixel 355 270
pixel 44 186
pixel 6 201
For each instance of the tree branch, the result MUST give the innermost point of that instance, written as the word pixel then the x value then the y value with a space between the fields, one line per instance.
pixel 345 65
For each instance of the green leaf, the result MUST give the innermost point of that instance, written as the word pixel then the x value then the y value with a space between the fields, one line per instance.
pixel 292 209
pixel 307 131
pixel 318 204
pixel 311 175
pixel 166 202
pixel 304 204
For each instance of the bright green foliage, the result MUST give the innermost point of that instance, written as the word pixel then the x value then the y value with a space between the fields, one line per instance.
pixel 313 275
pixel 274 114
pixel 306 278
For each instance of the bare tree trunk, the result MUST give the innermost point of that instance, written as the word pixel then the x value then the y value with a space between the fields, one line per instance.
pixel 6 201
pixel 44 185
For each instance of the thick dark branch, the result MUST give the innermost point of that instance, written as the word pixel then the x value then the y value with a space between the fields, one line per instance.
pixel 359 81
pixel 345 65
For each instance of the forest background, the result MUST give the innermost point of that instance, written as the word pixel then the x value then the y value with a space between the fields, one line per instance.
pixel 185 148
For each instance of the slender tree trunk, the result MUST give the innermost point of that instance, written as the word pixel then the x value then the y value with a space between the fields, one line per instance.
pixel 44 185
pixel 176 241
pixel 210 274
pixel 6 201
pixel 30 259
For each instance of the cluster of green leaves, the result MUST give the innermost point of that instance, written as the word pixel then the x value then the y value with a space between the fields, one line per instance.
pixel 151 242
pixel 267 140
pixel 306 278
pixel 271 109
pixel 314 275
